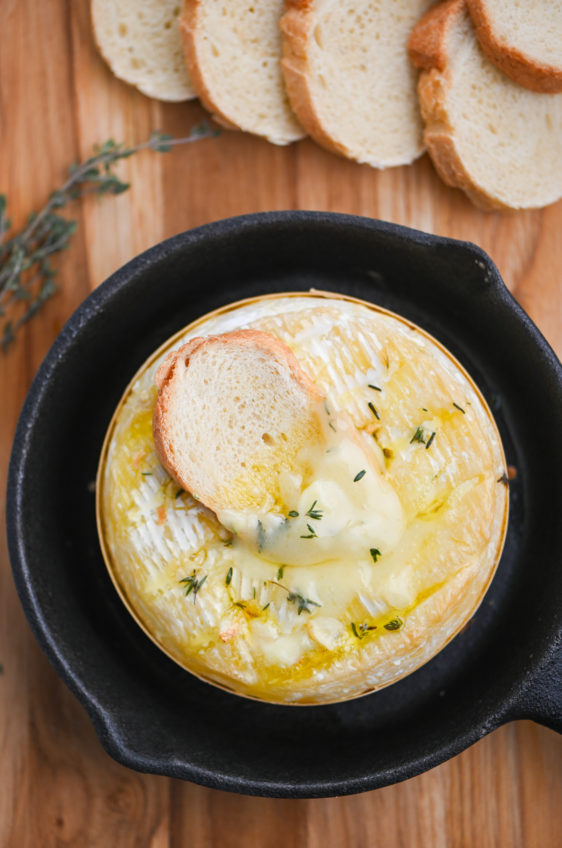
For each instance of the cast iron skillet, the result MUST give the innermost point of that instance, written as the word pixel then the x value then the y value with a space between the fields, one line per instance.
pixel 153 716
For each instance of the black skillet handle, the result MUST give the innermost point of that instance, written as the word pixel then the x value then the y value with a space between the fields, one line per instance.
pixel 541 699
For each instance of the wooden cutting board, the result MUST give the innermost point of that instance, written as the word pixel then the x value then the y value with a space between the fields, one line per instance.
pixel 58 787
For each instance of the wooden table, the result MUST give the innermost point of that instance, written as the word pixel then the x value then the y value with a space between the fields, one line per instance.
pixel 58 787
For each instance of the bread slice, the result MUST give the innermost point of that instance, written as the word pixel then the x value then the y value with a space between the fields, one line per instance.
pixel 349 80
pixel 523 39
pixel 232 412
pixel 233 52
pixel 142 46
pixel 500 143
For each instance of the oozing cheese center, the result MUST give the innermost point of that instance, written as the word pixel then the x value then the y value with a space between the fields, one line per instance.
pixel 337 506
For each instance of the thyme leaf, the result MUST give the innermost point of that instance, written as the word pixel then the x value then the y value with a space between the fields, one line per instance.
pixel 429 441
pixel 193 584
pixel 312 532
pixel 394 624
pixel 373 409
pixel 375 553
pixel 361 630
pixel 314 513
pixel 303 603
pixel 359 476
pixel 459 407
pixel 228 576
pixel 419 436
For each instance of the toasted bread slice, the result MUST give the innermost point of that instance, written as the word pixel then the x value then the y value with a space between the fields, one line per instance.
pixel 142 46
pixel 500 143
pixel 523 39
pixel 232 412
pixel 349 80
pixel 233 52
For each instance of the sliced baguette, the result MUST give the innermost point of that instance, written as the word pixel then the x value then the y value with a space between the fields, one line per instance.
pixel 500 143
pixel 232 412
pixel 349 80
pixel 142 46
pixel 233 53
pixel 523 39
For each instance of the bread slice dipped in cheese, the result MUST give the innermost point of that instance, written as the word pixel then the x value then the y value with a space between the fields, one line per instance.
pixel 233 410
pixel 233 52
pixel 142 46
pixel 301 498
pixel 349 80
pixel 497 141
pixel 524 39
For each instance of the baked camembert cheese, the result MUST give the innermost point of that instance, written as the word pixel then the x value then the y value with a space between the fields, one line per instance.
pixel 370 549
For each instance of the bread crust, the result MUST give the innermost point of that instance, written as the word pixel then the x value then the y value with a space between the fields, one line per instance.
pixel 296 26
pixel 521 68
pixel 188 24
pixel 428 51
pixel 168 380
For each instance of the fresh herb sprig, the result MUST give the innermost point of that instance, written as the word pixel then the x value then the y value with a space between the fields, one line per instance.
pixel 303 604
pixel 193 584
pixel 361 630
pixel 26 273
pixel 312 534
pixel 314 513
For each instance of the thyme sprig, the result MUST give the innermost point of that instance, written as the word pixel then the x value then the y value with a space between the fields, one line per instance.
pixel 314 513
pixel 303 604
pixel 311 533
pixel 361 630
pixel 26 273
pixel 193 584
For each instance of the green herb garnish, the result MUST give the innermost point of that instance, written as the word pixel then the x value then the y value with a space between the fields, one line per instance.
pixel 429 441
pixel 261 536
pixel 459 408
pixel 228 576
pixel 280 572
pixel 293 513
pixel 375 553
pixel 419 436
pixel 361 631
pixel 314 513
pixel 374 410
pixel 27 277
pixel 359 476
pixel 394 624
pixel 146 473
pixel 376 388
pixel 266 606
pixel 193 585
pixel 311 531
pixel 296 598
pixel 303 603
pixel 178 493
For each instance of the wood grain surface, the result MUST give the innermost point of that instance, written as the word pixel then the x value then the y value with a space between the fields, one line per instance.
pixel 58 787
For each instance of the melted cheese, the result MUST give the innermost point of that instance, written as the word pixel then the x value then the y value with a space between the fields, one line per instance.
pixel 340 507
pixel 375 572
